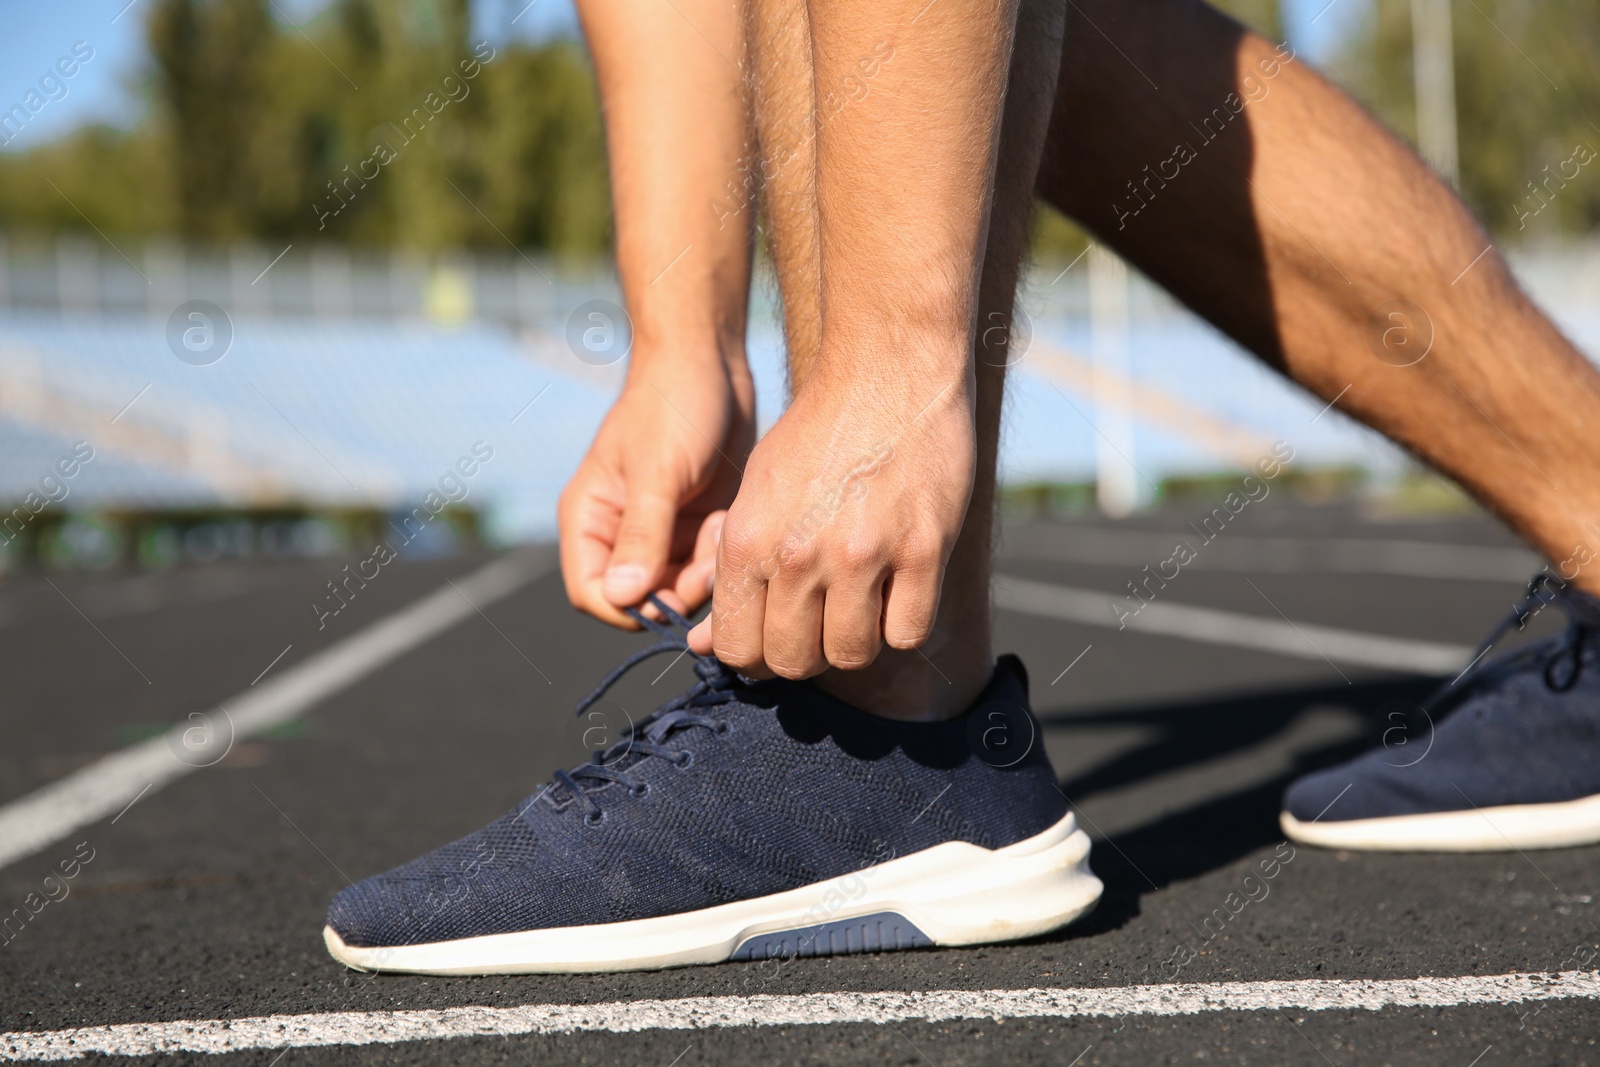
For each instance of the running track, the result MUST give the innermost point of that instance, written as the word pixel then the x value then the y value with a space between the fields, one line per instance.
pixel 442 694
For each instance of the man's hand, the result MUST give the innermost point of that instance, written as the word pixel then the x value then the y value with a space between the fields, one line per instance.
pixel 642 512
pixel 840 534
pixel 853 503
pixel 667 457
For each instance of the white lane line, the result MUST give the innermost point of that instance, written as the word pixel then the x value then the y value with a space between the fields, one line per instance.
pixel 100 789
pixel 1215 627
pixel 704 1013
pixel 131 803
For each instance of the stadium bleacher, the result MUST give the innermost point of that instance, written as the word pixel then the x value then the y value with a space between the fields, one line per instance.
pixel 363 398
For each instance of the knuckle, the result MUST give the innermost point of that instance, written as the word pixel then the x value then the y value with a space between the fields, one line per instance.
pixel 736 587
pixel 797 552
pixel 919 552
pixel 634 546
pixel 785 670
pixel 735 656
pixel 911 626
pixel 639 529
pixel 740 539
pixel 906 638
pixel 794 668
pixel 850 659
pixel 859 556
pixel 854 641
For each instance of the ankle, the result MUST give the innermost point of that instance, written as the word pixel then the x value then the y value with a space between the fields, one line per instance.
pixel 936 682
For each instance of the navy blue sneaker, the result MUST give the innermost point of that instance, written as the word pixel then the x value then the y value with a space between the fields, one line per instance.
pixel 746 820
pixel 1509 755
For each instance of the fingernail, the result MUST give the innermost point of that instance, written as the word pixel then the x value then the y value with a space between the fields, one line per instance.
pixel 624 579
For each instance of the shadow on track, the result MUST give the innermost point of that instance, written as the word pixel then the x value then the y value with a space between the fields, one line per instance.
pixel 1192 842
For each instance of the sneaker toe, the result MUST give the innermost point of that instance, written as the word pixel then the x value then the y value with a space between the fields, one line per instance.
pixel 399 908
pixel 1367 788
pixel 1316 796
pixel 370 914
pixel 467 888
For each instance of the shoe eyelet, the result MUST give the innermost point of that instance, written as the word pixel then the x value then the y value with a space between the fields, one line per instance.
pixel 723 728
pixel 640 790
pixel 594 818
pixel 683 760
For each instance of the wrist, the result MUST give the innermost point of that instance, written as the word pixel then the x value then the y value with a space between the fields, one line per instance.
pixel 687 352
pixel 897 360
pixel 899 331
pixel 689 323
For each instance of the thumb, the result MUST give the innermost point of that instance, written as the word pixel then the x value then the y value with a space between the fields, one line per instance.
pixel 639 556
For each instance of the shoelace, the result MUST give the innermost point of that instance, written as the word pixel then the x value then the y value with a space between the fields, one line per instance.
pixel 717 685
pixel 1543 589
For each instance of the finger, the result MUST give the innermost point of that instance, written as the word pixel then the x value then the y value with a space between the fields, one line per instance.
pixel 852 625
pixel 743 653
pixel 910 605
pixel 587 525
pixel 709 539
pixel 791 640
pixel 638 561
pixel 700 637
pixel 695 581
pixel 668 596
pixel 694 585
pixel 738 608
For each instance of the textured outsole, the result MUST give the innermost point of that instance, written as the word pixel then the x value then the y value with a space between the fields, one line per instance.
pixel 952 894
pixel 1498 829
pixel 883 931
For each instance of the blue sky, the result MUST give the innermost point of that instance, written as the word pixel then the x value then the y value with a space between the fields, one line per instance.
pixel 1318 27
pixel 107 87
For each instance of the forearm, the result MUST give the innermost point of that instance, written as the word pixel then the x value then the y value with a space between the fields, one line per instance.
pixel 905 172
pixel 676 128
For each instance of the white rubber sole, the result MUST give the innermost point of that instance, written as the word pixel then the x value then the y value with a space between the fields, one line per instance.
pixel 952 894
pixel 1513 826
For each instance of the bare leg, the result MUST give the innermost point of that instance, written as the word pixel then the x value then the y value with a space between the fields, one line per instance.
pixel 1297 228
pixel 941 678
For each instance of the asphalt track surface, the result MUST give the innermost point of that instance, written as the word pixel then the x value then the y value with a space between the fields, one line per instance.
pixel 204 898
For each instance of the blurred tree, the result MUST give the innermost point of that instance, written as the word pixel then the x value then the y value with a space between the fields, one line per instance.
pixel 377 124
pixel 1527 101
pixel 120 181
pixel 259 130
pixel 544 151
pixel 1263 16
pixel 211 59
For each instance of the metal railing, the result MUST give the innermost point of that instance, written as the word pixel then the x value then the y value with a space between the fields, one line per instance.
pixel 83 275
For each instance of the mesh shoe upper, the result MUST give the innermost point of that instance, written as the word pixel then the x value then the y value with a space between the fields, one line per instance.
pixel 1521 729
pixel 741 790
